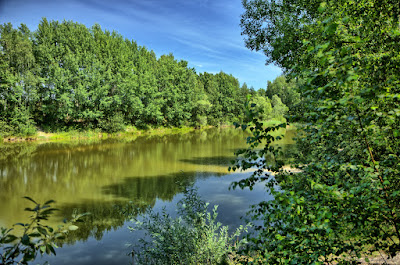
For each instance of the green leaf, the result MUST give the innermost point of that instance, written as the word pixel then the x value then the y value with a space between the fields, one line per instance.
pixel 42 249
pixel 51 249
pixel 29 198
pixel 48 202
pixel 25 240
pixel 48 211
pixel 34 235
pixel 9 239
pixel 386 183
pixel 322 7
pixel 42 230
pixel 73 227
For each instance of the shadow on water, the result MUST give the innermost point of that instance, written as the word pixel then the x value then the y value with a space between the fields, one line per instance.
pixel 130 198
pixel 163 187
pixel 212 160
pixel 104 217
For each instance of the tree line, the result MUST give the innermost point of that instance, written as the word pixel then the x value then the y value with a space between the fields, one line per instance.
pixel 66 76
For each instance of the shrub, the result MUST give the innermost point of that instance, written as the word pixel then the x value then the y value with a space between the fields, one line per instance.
pixel 201 120
pixel 194 237
pixel 113 124
pixel 22 123
pixel 5 129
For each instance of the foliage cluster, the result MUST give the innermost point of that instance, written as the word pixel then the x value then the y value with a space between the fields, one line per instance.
pixel 22 247
pixel 286 91
pixel 194 237
pixel 268 103
pixel 344 204
pixel 65 76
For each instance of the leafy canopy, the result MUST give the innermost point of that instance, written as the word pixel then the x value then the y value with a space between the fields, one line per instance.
pixel 344 203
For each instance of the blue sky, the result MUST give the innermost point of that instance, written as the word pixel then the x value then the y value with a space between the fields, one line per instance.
pixel 206 33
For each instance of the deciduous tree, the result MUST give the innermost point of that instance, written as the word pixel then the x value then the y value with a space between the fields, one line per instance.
pixel 344 203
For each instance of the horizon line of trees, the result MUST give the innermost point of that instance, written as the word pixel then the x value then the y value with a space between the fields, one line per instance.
pixel 67 76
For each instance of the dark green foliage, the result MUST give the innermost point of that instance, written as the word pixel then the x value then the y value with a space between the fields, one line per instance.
pixel 113 124
pixel 6 129
pixel 286 91
pixel 225 96
pixel 277 28
pixel 65 75
pixel 36 237
pixel 17 80
pixel 345 201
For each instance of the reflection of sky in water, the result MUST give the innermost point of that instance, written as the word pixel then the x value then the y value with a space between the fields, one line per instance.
pixel 102 177
pixel 232 204
pixel 112 249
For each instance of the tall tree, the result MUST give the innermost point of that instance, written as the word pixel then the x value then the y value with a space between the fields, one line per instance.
pixel 17 80
pixel 345 201
pixel 278 28
pixel 65 75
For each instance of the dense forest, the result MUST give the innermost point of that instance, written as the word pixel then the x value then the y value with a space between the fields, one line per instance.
pixel 66 76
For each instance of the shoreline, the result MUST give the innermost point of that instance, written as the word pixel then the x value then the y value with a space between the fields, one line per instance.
pixel 131 131
pixel 41 136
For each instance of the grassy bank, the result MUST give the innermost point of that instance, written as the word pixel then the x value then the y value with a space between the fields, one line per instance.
pixel 129 131
pixel 96 134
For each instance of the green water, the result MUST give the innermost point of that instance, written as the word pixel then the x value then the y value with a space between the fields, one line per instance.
pixel 110 177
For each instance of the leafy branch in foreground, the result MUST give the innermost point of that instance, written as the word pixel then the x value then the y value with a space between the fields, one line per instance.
pixel 36 237
pixel 194 237
pixel 344 204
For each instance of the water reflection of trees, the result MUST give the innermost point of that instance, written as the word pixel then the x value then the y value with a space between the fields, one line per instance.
pixel 104 217
pixel 132 197
pixel 148 188
pixel 64 168
pixel 13 151
pixel 212 160
pixel 102 176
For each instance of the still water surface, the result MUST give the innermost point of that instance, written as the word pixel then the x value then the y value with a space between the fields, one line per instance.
pixel 104 177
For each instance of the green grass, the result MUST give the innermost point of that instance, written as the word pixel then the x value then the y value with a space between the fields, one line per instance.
pixel 129 132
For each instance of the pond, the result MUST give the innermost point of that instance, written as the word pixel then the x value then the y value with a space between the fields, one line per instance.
pixel 106 177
